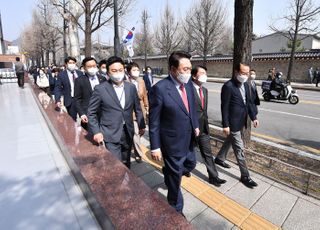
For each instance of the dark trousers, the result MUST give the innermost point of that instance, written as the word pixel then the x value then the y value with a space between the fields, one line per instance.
pixel 122 150
pixel 72 110
pixel 174 168
pixel 205 150
pixel 20 77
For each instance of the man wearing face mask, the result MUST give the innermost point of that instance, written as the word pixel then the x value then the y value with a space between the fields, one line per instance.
pixel 110 112
pixel 236 105
pixel 174 125
pixel 148 78
pixel 65 86
pixel 199 77
pixel 83 88
pixel 102 74
pixel 254 91
pixel 133 71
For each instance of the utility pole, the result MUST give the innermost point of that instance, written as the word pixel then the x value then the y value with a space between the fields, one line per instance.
pixel 145 34
pixel 65 54
pixel 3 48
pixel 116 29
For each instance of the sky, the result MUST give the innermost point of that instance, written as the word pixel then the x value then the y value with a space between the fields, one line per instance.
pixel 16 14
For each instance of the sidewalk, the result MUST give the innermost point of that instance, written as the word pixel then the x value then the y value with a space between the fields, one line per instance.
pixel 37 190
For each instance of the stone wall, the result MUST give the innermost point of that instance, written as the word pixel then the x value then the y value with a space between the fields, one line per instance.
pixel 223 68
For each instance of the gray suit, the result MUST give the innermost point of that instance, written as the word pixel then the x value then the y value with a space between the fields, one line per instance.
pixel 106 115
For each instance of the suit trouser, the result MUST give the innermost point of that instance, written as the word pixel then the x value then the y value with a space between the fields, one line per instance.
pixel 205 150
pixel 235 140
pixel 72 110
pixel 20 77
pixel 174 168
pixel 137 140
pixel 122 149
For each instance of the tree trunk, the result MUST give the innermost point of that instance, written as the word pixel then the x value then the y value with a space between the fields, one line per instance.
pixel 74 45
pixel 242 44
pixel 293 50
pixel 87 32
pixel 47 57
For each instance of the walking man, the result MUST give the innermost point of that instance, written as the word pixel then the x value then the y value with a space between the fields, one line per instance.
pixel 19 68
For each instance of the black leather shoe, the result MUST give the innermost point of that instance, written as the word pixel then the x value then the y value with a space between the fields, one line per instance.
pixel 187 174
pixel 138 159
pixel 216 181
pixel 247 181
pixel 222 163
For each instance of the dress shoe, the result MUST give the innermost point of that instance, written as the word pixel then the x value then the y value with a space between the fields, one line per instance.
pixel 187 174
pixel 216 181
pixel 138 159
pixel 247 181
pixel 222 163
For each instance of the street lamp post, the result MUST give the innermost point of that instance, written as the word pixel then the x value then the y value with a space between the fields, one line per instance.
pixel 116 30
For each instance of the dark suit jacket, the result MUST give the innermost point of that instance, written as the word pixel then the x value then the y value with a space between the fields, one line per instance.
pixel 255 97
pixel 147 82
pixel 63 87
pixel 82 93
pixel 171 126
pixel 202 112
pixel 104 101
pixel 234 110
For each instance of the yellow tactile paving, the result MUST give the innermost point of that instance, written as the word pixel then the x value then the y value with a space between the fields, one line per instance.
pixel 229 209
pixel 213 199
pixel 256 222
pixel 234 212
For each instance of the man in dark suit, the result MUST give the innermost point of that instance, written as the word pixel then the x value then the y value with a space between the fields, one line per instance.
pixel 65 86
pixel 110 112
pixel 83 88
pixel 236 105
pixel 174 125
pixel 199 77
pixel 148 78
pixel 254 92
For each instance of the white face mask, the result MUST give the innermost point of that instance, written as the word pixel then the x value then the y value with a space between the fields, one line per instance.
pixel 118 77
pixel 184 78
pixel 135 73
pixel 253 76
pixel 202 78
pixel 71 67
pixel 41 73
pixel 92 71
pixel 242 78
pixel 104 70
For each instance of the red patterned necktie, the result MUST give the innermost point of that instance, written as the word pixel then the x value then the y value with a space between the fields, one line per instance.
pixel 184 97
pixel 201 97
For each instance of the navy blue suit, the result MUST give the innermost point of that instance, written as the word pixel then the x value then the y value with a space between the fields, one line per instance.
pixel 147 82
pixel 234 110
pixel 172 130
pixel 63 88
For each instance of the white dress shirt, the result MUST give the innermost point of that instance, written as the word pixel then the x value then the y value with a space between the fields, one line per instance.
pixel 119 89
pixel 93 81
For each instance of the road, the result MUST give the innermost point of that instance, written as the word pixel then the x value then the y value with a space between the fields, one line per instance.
pixel 296 125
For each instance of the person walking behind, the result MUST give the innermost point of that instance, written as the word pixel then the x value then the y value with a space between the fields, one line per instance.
pixel 43 81
pixel 65 86
pixel 133 71
pixel 199 77
pixel 19 69
pixel 254 92
pixel 110 112
pixel 310 73
pixel 148 78
pixel 317 76
pixel 236 104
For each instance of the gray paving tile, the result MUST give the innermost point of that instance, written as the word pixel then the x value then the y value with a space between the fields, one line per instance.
pixel 246 196
pixel 305 215
pixel 275 205
pixel 192 206
pixel 162 190
pixel 209 219
pixel 141 168
pixel 153 178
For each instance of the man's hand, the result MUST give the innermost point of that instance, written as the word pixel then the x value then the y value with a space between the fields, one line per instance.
pixel 98 138
pixel 197 132
pixel 226 131
pixel 141 132
pixel 255 123
pixel 84 118
pixel 156 155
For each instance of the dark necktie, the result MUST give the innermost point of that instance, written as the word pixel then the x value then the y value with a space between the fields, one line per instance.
pixel 201 97
pixel 184 97
pixel 73 75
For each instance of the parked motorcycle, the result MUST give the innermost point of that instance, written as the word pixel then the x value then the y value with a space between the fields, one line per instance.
pixel 286 93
